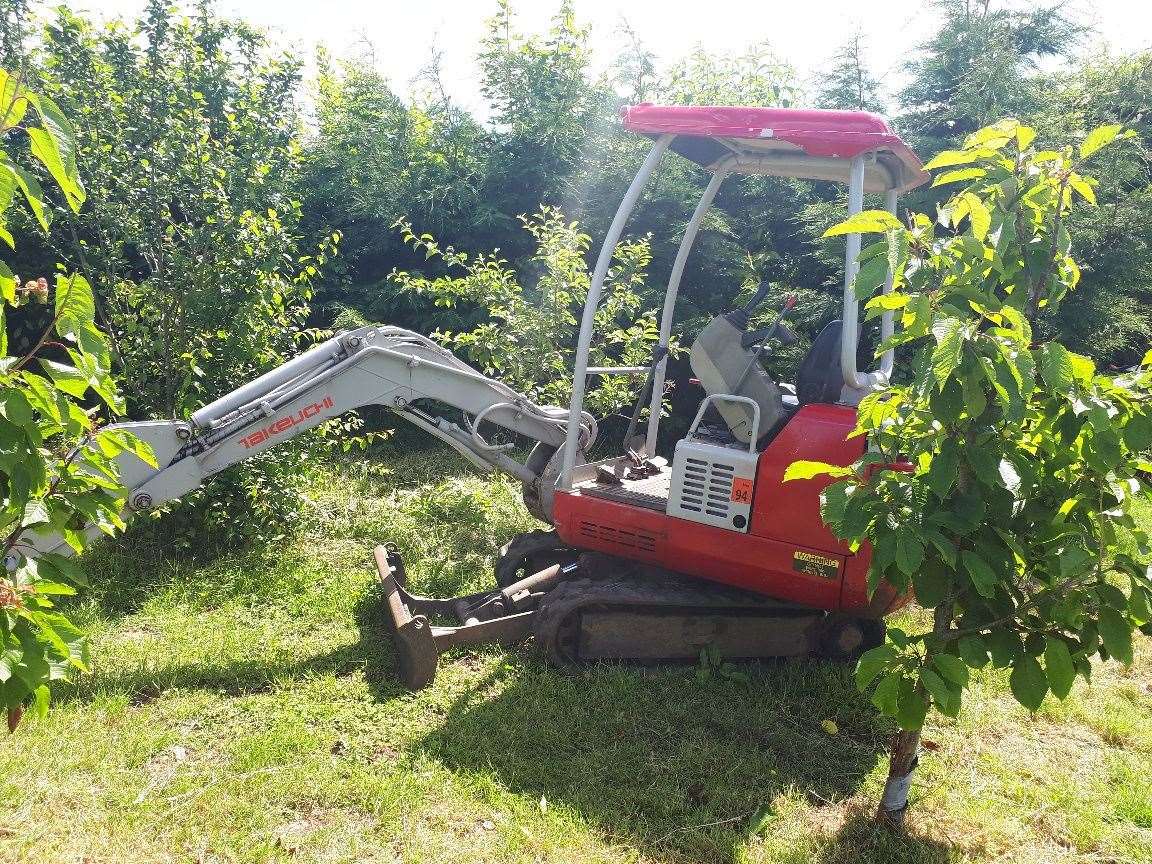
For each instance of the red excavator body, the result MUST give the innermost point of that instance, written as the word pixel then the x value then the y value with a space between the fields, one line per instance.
pixel 788 552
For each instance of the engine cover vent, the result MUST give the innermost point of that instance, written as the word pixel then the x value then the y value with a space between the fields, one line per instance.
pixel 635 539
pixel 712 484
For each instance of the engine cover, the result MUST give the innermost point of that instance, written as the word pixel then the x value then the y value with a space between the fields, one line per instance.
pixel 712 484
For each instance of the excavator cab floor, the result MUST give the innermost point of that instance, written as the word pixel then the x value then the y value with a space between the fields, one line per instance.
pixel 616 480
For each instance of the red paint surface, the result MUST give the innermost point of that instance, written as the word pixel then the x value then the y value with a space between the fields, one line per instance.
pixel 785 520
pixel 835 134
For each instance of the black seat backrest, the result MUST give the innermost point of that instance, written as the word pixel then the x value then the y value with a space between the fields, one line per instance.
pixel 820 377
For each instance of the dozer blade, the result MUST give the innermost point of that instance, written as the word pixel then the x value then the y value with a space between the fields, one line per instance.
pixel 416 653
pixel 503 616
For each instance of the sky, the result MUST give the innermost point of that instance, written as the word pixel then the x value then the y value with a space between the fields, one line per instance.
pixel 402 33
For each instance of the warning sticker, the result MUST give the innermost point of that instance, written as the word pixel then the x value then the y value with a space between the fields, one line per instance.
pixel 815 565
pixel 742 490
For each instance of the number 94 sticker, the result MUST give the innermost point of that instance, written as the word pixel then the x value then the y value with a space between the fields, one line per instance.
pixel 742 490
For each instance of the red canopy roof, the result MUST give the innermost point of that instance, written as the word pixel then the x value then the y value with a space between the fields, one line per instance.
pixel 788 142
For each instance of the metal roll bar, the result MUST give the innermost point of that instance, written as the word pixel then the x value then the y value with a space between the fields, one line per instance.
pixel 588 320
pixel 670 296
pixel 850 315
pixel 850 340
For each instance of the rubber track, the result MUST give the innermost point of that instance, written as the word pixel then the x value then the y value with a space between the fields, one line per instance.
pixel 632 589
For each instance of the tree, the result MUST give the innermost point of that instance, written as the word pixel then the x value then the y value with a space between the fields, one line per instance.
pixel 1111 320
pixel 999 477
pixel 542 107
pixel 634 72
pixel 56 460
pixel 186 133
pixel 372 159
pixel 849 83
pixel 526 334
pixel 757 76
pixel 981 65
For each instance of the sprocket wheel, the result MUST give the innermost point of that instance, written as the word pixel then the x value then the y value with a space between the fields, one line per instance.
pixel 530 553
pixel 843 638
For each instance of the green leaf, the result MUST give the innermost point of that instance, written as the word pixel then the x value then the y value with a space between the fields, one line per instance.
pixel 806 470
pixel 1083 186
pixel 978 216
pixel 912 706
pixel 1083 368
pixel 33 194
pixel 42 696
pixel 943 470
pixel 75 305
pixel 871 663
pixel 114 441
pixel 949 348
pixel 983 577
pixel 865 222
pixel 888 302
pixel 1116 633
pixel 1138 432
pixel 1028 682
pixel 952 668
pixel 1058 666
pixel 1054 363
pixel 1004 646
pixel 54 144
pixel 35 513
pixel 69 379
pixel 63 567
pixel 44 147
pixel 973 651
pixel 948 158
pixel 909 552
pixel 886 697
pixel 947 698
pixel 958 176
pixel 1099 137
pixel 931 584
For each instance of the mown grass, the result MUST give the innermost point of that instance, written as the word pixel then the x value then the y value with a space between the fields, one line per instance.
pixel 244 710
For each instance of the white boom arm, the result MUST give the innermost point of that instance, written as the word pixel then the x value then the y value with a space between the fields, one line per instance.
pixel 385 366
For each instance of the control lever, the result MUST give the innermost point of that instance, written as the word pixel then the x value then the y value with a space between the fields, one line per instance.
pixel 777 329
pixel 761 292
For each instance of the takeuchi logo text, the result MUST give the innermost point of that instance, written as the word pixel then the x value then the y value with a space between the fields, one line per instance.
pixel 286 422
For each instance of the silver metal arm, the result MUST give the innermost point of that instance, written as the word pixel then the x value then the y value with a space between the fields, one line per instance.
pixel 397 369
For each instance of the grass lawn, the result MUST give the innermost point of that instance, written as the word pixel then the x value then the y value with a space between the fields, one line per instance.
pixel 244 710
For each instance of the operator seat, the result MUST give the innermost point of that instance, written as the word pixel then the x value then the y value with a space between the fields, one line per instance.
pixel 820 377
pixel 723 365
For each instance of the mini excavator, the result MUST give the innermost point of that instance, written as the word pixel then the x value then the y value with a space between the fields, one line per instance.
pixel 645 560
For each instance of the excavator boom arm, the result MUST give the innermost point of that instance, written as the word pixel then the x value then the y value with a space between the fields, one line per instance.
pixel 400 370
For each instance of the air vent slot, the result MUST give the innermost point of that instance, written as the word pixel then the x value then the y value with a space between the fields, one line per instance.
pixel 626 538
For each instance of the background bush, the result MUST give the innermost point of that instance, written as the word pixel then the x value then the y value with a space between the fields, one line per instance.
pixel 213 200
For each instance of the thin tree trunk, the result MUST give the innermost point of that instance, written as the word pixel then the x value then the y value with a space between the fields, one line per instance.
pixel 894 803
pixel 905 744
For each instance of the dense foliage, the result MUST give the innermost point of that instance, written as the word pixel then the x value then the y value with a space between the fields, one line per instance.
pixel 56 460
pixel 186 135
pixel 210 190
pixel 999 479
pixel 528 335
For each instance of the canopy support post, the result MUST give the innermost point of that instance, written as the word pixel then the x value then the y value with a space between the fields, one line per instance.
pixel 588 321
pixel 670 295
